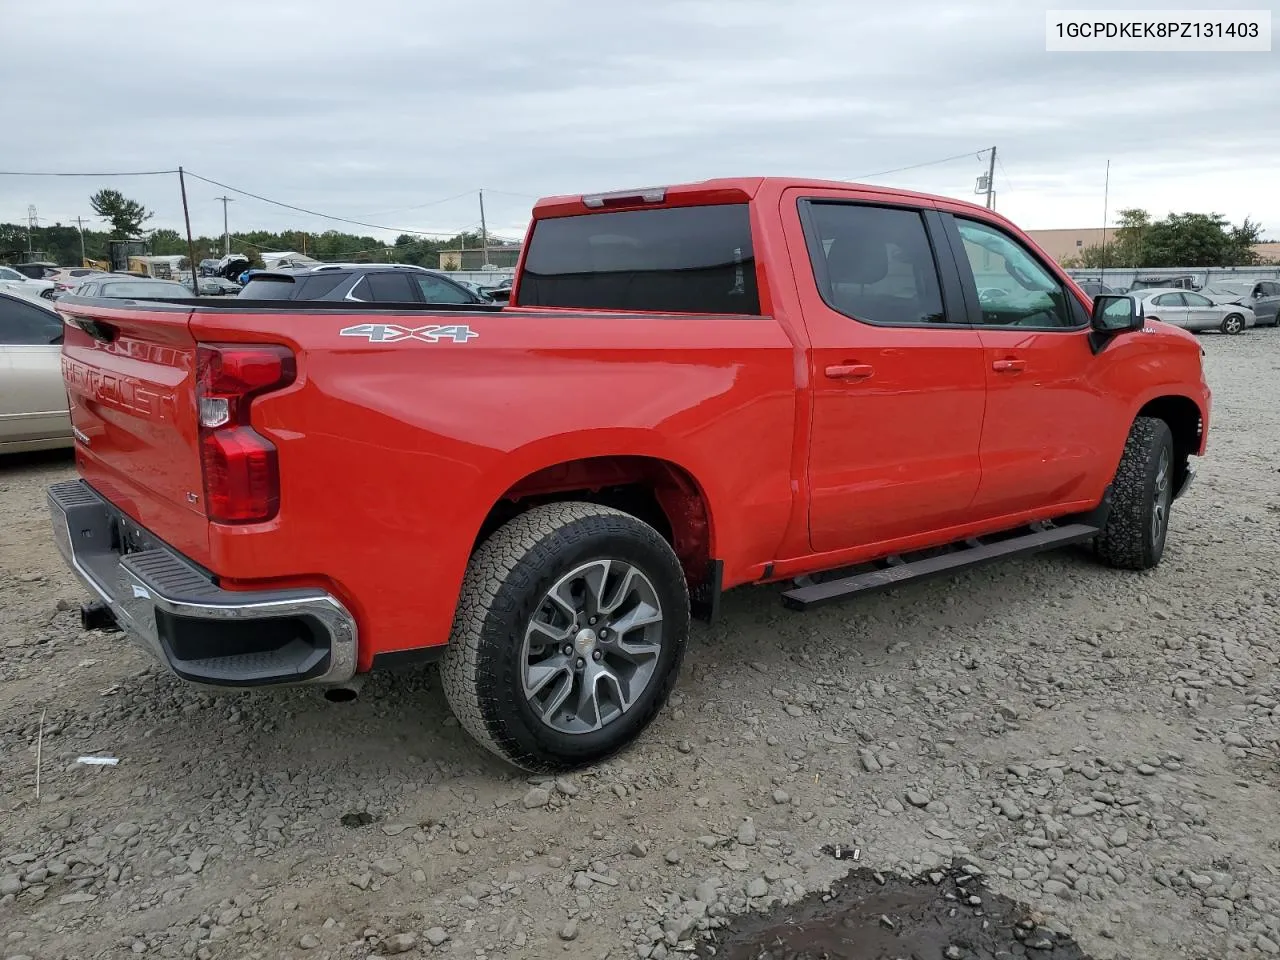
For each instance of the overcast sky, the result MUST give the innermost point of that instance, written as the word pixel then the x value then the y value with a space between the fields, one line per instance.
pixel 374 110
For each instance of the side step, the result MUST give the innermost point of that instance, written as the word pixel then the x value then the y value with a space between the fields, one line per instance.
pixel 967 553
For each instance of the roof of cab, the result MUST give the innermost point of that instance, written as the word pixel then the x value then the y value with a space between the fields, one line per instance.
pixel 729 190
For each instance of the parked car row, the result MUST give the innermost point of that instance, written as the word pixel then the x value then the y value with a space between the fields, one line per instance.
pixel 1227 305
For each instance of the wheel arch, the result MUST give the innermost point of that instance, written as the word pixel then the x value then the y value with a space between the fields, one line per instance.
pixel 1186 421
pixel 656 489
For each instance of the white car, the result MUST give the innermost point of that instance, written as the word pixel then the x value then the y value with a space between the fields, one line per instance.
pixel 1194 311
pixel 12 280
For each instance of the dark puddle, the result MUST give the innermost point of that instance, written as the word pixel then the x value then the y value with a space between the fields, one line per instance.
pixel 884 917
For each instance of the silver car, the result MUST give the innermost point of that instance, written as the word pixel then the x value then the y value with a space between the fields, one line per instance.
pixel 33 399
pixel 1194 311
pixel 1260 296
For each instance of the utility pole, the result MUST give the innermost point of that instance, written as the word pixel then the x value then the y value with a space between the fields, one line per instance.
pixel 991 180
pixel 226 235
pixel 191 244
pixel 33 221
pixel 80 225
pixel 484 232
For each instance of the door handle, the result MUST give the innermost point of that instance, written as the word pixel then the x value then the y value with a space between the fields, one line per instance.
pixel 1008 366
pixel 850 371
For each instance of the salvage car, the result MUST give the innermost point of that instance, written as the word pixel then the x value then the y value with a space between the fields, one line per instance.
pixel 33 398
pixel 1260 296
pixel 693 388
pixel 1194 311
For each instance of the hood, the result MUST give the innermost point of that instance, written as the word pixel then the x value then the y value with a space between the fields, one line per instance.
pixel 1228 297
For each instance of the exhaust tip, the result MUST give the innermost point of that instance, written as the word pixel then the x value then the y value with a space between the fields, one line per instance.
pixel 341 694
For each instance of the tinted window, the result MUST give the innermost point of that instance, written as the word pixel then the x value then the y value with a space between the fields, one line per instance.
pixel 7 274
pixel 321 284
pixel 390 287
pixel 1195 300
pixel 1014 288
pixel 1269 290
pixel 269 288
pixel 681 260
pixel 144 290
pixel 438 290
pixel 1168 300
pixel 875 263
pixel 23 324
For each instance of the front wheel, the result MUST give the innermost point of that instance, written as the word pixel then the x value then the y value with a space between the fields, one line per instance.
pixel 1141 498
pixel 1232 323
pixel 568 636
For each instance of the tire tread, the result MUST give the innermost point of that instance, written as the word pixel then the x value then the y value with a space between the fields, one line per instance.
pixel 1123 542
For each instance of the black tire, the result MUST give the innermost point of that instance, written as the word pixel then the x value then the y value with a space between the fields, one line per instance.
pixel 1232 323
pixel 506 585
pixel 1143 482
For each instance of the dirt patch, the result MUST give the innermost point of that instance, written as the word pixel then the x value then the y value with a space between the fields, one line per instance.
pixel 948 914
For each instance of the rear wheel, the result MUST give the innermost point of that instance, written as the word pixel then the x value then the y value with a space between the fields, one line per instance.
pixel 1232 323
pixel 568 636
pixel 1141 499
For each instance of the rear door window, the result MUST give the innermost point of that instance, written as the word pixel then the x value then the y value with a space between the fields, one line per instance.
pixel 27 326
pixel 671 260
pixel 320 285
pixel 389 287
pixel 874 263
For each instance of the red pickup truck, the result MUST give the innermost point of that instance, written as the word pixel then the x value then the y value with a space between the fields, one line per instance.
pixel 692 388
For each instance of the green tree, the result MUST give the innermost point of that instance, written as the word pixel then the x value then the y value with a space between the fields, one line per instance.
pixel 165 242
pixel 1179 240
pixel 125 216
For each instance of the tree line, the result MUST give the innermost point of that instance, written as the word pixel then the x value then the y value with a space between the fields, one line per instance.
pixel 1179 240
pixel 61 243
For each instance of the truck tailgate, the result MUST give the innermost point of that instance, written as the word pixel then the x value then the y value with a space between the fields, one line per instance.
pixel 130 375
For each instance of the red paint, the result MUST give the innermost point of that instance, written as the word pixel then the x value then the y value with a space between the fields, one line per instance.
pixel 802 439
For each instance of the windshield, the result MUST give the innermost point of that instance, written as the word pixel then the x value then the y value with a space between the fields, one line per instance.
pixel 1229 289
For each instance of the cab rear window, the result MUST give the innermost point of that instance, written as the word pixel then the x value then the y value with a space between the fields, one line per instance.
pixel 676 259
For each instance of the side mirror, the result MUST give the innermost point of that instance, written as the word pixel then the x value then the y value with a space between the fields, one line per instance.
pixel 1114 314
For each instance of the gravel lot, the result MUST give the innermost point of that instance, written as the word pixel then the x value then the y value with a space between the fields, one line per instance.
pixel 1103 747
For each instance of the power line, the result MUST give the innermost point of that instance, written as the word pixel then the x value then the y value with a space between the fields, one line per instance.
pixel 126 173
pixel 1004 173
pixel 432 203
pixel 317 213
pixel 929 163
pixel 509 193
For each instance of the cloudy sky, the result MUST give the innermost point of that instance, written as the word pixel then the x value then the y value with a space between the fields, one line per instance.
pixel 384 110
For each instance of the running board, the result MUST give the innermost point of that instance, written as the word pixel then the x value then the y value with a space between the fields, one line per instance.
pixel 967 554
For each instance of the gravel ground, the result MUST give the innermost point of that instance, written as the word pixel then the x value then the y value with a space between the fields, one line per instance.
pixel 1101 747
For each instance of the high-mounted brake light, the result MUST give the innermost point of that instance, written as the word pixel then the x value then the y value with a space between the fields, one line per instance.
pixel 625 198
pixel 241 475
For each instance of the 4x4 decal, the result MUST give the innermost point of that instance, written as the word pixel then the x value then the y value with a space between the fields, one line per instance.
pixel 393 333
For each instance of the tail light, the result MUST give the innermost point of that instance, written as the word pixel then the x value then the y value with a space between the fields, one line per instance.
pixel 241 474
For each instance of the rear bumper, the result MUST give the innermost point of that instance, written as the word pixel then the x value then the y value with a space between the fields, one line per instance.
pixel 175 610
